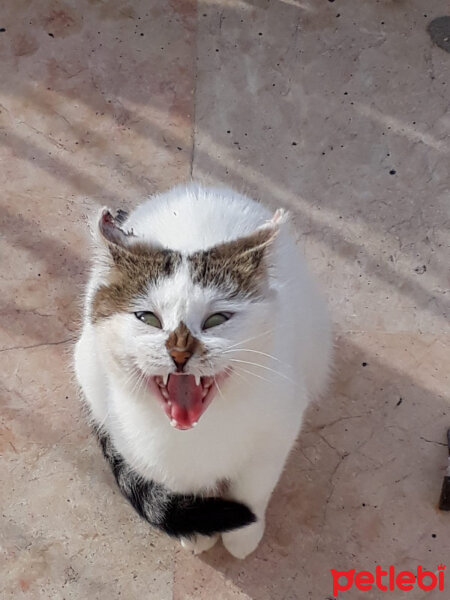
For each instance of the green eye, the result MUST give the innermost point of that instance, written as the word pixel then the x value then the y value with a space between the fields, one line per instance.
pixel 149 318
pixel 215 320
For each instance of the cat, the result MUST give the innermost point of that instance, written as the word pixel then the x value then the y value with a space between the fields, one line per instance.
pixel 203 341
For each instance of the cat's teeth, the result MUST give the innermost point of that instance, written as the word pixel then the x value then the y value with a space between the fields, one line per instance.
pixel 197 379
pixel 194 423
pixel 165 378
pixel 164 393
pixel 173 422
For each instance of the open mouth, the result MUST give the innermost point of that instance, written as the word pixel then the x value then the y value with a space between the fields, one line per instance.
pixel 184 397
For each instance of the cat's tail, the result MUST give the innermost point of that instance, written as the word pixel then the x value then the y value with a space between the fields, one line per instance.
pixel 178 515
pixel 185 515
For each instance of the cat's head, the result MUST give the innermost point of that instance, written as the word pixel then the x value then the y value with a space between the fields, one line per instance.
pixel 171 324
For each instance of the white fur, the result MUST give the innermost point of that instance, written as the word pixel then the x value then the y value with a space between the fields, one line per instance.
pixel 248 430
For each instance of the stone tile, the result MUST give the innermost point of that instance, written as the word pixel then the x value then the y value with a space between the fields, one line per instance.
pixel 362 486
pixel 312 111
pixel 312 114
pixel 94 113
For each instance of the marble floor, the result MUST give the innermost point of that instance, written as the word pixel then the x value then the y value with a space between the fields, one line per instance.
pixel 337 110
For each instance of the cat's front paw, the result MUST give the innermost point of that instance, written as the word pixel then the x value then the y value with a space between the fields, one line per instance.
pixel 199 543
pixel 241 542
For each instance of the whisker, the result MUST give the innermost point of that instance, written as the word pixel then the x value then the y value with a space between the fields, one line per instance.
pixel 218 389
pixel 250 350
pixel 133 373
pixel 140 380
pixel 255 337
pixel 231 371
pixel 255 375
pixel 246 362
pixel 130 380
pixel 140 384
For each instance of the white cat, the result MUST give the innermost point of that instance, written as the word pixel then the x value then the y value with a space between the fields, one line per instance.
pixel 203 342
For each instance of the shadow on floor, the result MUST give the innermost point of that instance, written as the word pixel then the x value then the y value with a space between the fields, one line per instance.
pixel 360 489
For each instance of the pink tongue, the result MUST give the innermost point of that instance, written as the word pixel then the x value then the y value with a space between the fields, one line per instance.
pixel 186 397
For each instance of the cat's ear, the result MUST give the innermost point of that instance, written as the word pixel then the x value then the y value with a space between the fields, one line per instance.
pixel 110 231
pixel 280 216
pixel 258 242
pixel 119 247
pixel 270 230
pixel 241 265
pixel 114 244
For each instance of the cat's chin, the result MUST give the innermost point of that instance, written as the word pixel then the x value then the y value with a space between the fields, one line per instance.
pixel 184 397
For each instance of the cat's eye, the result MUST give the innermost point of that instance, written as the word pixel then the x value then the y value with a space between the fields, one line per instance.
pixel 149 318
pixel 216 319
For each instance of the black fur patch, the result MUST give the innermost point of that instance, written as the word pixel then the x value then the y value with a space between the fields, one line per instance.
pixel 121 216
pixel 178 515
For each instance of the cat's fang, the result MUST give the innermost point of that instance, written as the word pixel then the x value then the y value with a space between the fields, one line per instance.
pixel 165 378
pixel 197 379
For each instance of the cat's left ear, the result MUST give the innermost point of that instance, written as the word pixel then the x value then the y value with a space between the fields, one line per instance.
pixel 280 217
pixel 245 256
pixel 265 235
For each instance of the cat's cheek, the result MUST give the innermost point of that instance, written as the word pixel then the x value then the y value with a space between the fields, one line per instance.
pixel 242 542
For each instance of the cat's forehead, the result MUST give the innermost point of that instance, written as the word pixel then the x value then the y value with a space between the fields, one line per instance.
pixel 137 269
pixel 179 289
pixel 192 218
pixel 177 298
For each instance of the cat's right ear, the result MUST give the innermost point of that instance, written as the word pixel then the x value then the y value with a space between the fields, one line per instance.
pixel 110 230
pixel 111 238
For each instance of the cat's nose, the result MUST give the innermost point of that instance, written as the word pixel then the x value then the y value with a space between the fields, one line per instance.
pixel 180 358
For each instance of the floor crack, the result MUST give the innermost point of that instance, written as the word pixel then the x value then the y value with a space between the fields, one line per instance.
pixel 433 442
pixel 71 339
pixel 194 107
